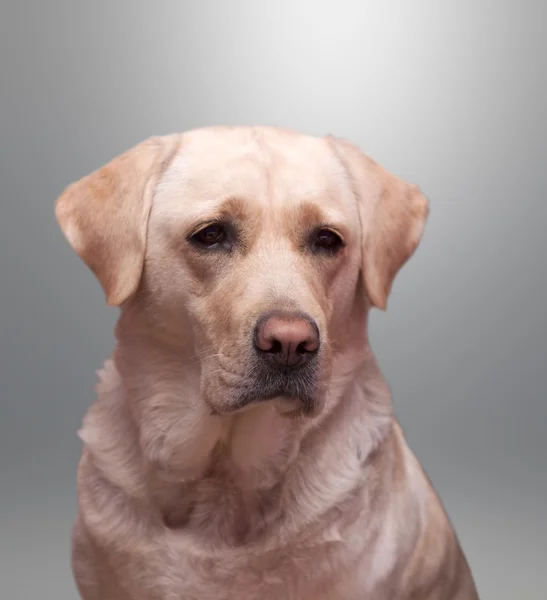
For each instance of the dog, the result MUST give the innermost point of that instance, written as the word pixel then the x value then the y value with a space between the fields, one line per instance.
pixel 242 445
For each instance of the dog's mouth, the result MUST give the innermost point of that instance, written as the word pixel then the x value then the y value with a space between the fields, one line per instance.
pixel 291 393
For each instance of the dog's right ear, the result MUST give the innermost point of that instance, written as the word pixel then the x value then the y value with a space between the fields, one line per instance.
pixel 104 216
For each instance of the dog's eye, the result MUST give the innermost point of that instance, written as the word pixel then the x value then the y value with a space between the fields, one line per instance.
pixel 212 235
pixel 326 239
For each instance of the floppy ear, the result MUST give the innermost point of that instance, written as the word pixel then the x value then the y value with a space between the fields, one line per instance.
pixel 393 215
pixel 104 216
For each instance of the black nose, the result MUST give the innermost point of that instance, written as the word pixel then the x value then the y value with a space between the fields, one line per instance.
pixel 286 339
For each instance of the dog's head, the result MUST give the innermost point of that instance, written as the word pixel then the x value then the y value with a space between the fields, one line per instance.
pixel 256 251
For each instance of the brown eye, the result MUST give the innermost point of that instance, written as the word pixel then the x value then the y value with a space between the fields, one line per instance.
pixel 212 235
pixel 328 240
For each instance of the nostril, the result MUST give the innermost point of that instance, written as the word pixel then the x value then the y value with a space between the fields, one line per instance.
pixel 302 350
pixel 276 347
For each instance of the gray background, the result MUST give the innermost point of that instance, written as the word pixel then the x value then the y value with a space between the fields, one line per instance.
pixel 450 95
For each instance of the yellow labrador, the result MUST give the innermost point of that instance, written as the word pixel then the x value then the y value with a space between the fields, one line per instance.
pixel 242 445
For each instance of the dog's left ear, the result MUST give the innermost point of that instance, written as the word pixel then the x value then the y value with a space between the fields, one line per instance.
pixel 393 215
pixel 104 216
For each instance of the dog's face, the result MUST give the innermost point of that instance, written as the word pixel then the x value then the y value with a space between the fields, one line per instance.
pixel 256 240
pixel 257 249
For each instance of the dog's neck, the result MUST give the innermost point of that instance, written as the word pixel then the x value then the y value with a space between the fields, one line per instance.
pixel 226 475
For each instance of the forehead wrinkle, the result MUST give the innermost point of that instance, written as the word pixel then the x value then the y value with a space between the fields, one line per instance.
pixel 231 208
pixel 307 210
pixel 303 172
pixel 192 191
pixel 321 211
pixel 275 180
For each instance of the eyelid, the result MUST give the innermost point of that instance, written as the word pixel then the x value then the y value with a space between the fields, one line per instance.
pixel 338 231
pixel 203 224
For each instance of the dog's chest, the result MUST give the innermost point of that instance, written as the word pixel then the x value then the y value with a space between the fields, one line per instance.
pixel 301 573
pixel 240 493
pixel 304 569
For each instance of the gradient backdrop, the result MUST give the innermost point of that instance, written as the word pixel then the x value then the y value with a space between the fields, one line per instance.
pixel 449 95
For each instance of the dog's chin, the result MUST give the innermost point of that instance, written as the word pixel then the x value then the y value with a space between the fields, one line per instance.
pixel 290 407
pixel 284 405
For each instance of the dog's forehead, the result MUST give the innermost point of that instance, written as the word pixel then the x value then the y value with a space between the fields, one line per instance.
pixel 265 167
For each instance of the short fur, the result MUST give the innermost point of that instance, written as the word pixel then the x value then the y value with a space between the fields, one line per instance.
pixel 185 494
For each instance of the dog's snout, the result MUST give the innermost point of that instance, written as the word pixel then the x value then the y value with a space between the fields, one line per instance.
pixel 287 339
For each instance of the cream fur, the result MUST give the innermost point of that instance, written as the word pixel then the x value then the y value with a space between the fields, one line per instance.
pixel 183 498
